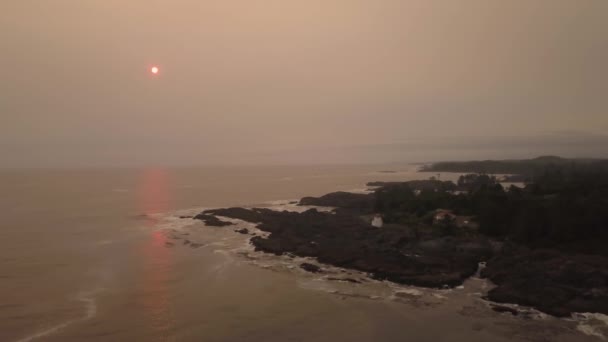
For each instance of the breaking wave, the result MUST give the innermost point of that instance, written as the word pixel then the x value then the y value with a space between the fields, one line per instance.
pixel 592 324
pixel 90 310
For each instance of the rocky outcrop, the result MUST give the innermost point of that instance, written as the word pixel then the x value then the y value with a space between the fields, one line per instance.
pixel 552 281
pixel 211 220
pixel 348 280
pixel 344 240
pixel 557 281
pixel 310 267
pixel 503 309
pixel 242 231
pixel 254 215
pixel 363 203
pixel 421 185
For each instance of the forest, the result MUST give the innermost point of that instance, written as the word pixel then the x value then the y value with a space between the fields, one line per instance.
pixel 562 204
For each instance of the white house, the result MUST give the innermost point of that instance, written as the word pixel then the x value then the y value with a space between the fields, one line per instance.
pixel 377 221
pixel 443 214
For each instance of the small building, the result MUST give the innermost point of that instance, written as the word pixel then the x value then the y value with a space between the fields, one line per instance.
pixel 443 214
pixel 460 221
pixel 466 222
pixel 377 221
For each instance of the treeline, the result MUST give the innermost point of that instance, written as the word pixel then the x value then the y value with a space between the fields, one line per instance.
pixel 408 202
pixel 531 168
pixel 561 206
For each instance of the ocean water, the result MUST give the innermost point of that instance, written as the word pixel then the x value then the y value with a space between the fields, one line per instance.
pixel 104 255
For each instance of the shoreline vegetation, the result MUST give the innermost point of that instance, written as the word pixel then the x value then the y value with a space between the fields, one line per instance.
pixel 543 244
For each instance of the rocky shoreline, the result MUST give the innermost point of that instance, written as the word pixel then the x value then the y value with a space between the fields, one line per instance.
pixel 552 281
pixel 344 240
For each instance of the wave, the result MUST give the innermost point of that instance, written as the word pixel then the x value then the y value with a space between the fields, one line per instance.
pixel 592 324
pixel 90 311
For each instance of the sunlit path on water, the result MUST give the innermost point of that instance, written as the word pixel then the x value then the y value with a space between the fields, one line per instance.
pixel 154 198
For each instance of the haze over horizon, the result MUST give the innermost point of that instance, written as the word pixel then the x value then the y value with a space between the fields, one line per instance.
pixel 343 81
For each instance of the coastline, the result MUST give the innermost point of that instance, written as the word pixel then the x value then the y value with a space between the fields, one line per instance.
pixel 219 267
pixel 427 261
pixel 336 281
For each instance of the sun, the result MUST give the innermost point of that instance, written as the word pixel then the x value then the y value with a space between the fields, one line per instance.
pixel 154 70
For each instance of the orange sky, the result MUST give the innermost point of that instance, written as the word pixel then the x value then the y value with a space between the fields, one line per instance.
pixel 254 81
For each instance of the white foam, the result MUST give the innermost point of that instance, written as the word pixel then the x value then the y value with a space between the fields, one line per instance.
pixel 592 324
pixel 361 191
pixel 47 332
pixel 523 311
pixel 292 206
pixel 589 330
pixel 409 291
pixel 88 298
pixel 239 245
pixel 328 281
pixel 90 306
pixel 293 201
pixel 175 223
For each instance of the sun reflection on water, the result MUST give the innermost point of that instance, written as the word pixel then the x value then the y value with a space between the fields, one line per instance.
pixel 154 199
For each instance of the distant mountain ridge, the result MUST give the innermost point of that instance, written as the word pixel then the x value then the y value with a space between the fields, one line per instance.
pixel 527 167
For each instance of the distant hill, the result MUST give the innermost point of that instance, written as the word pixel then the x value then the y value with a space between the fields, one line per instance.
pixel 528 167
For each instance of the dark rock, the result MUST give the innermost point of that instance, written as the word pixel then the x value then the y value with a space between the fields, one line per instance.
pixel 344 240
pixel 502 308
pixel 554 282
pixel 253 215
pixel 310 267
pixel 363 203
pixel 350 280
pixel 169 244
pixel 195 245
pixel 242 231
pixel 186 217
pixel 557 282
pixel 211 220
pixel 421 185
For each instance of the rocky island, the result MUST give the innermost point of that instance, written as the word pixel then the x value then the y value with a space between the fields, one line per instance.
pixel 543 244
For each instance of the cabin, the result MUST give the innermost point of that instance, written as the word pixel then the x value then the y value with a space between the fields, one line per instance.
pixel 377 221
pixel 442 214
pixel 466 222
pixel 458 220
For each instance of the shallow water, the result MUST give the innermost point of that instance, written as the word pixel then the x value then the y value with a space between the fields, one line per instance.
pixel 102 255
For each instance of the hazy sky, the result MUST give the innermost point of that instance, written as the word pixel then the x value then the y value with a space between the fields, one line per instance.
pixel 300 81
